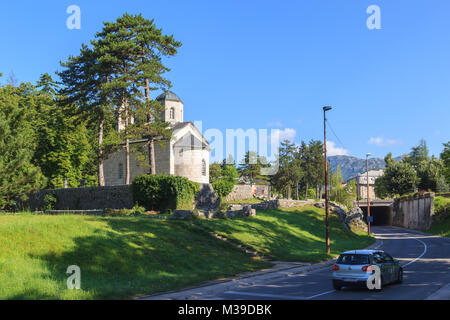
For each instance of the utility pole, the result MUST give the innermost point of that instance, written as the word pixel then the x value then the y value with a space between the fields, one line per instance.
pixel 327 228
pixel 368 193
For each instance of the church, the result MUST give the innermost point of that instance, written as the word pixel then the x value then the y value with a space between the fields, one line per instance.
pixel 186 154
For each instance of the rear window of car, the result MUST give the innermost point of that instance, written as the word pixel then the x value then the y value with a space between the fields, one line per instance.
pixel 353 259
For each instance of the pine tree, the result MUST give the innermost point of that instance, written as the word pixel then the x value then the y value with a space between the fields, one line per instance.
pixel 18 175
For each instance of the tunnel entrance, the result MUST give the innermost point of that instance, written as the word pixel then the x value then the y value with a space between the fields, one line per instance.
pixel 382 215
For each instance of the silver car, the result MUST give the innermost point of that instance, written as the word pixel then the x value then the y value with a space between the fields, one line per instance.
pixel 353 268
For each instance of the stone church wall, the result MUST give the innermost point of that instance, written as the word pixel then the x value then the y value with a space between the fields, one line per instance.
pixel 114 197
pixel 188 164
pixel 114 168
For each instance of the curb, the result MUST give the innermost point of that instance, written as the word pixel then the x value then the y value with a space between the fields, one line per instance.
pixel 266 275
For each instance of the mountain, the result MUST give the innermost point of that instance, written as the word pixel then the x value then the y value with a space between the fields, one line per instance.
pixel 351 166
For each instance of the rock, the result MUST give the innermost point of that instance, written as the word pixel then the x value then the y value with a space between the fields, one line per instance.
pixel 234 207
pixel 182 214
pixel 355 220
pixel 319 204
pixel 249 211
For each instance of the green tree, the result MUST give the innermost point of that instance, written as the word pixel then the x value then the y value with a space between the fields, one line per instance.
pixel 133 47
pixel 18 175
pixel 215 172
pixel 84 79
pixel 250 168
pixel 445 157
pixel 63 148
pixel 398 178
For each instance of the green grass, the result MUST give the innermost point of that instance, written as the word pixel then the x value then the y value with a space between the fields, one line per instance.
pixel 119 257
pixel 296 234
pixel 244 201
pixel 441 225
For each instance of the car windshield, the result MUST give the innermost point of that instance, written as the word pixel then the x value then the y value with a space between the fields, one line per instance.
pixel 354 259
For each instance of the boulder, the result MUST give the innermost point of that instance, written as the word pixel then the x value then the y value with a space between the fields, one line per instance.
pixel 234 207
pixel 249 211
pixel 355 220
pixel 182 214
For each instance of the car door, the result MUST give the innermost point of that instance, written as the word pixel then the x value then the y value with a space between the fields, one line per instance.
pixel 390 266
pixel 378 259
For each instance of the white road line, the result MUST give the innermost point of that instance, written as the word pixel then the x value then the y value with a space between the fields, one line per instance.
pixel 265 295
pixel 423 253
pixel 320 294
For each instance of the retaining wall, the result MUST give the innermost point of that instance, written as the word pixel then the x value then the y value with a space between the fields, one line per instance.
pixel 114 197
pixel 415 212
pixel 246 191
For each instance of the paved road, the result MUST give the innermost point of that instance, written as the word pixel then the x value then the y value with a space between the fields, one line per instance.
pixel 425 259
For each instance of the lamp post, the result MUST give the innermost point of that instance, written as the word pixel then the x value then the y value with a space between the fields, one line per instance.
pixel 327 229
pixel 368 193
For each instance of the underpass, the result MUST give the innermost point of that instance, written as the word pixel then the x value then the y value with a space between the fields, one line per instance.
pixel 380 210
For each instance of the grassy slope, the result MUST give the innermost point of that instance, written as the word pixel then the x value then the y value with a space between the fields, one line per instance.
pixel 442 225
pixel 118 257
pixel 289 234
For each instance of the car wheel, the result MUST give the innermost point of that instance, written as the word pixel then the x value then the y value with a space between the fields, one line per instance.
pixel 400 276
pixel 336 286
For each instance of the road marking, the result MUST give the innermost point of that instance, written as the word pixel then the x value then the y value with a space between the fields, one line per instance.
pixel 423 253
pixel 320 294
pixel 265 295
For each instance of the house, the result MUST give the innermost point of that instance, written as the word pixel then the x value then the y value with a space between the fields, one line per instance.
pixel 186 154
pixel 361 184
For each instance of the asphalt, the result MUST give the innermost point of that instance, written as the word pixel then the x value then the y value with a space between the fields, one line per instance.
pixel 425 260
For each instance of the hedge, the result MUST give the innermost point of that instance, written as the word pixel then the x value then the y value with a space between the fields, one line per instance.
pixel 164 192
pixel 222 187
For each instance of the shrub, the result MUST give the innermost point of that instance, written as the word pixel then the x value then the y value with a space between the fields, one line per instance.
pixel 164 192
pixel 311 194
pixel 441 207
pixel 135 211
pixel 50 202
pixel 222 187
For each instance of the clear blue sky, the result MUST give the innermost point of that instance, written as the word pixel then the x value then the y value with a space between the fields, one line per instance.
pixel 264 64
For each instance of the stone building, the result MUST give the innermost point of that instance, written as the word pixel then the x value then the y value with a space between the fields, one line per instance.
pixel 361 183
pixel 186 154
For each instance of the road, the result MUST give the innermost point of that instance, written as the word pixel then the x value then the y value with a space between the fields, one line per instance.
pixel 425 259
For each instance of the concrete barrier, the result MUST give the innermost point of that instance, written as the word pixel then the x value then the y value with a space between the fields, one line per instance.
pixel 414 212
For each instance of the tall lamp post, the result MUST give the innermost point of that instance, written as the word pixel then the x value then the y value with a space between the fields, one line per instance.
pixel 368 193
pixel 327 229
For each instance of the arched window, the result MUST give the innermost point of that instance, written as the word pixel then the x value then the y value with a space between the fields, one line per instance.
pixel 181 152
pixel 120 172
pixel 172 113
pixel 203 167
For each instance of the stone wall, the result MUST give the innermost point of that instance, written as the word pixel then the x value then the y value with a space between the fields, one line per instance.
pixel 114 197
pixel 415 212
pixel 114 168
pixel 245 191
pixel 206 197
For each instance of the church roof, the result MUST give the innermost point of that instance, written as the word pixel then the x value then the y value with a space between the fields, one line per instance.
pixel 168 95
pixel 190 141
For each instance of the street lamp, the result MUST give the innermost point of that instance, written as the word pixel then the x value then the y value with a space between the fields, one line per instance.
pixel 327 229
pixel 368 193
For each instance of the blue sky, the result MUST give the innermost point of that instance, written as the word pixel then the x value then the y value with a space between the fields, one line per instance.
pixel 274 64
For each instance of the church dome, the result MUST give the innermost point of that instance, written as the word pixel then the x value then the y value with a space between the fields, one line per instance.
pixel 168 95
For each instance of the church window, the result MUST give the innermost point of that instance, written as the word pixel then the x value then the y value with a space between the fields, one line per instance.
pixel 172 113
pixel 203 167
pixel 181 152
pixel 120 171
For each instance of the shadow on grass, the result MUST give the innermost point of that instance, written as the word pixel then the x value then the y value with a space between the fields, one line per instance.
pixel 140 256
pixel 294 235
